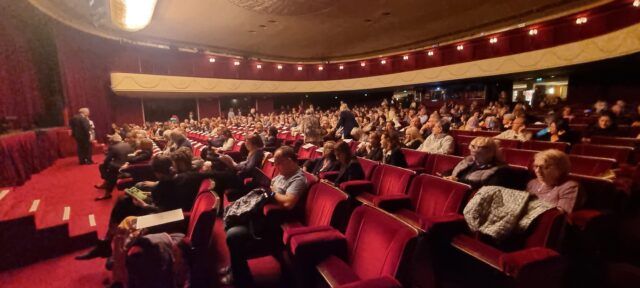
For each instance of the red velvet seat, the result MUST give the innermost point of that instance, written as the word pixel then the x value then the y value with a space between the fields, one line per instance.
pixel 620 153
pixel 509 143
pixel 439 164
pixel 387 182
pixel 376 244
pixel 306 152
pixel 368 166
pixel 519 157
pixel 616 141
pixel 269 168
pixel 591 166
pixel 544 145
pixel 415 159
pixel 137 173
pixel 534 257
pixel 597 197
pixel 236 151
pixel 431 202
pixel 325 207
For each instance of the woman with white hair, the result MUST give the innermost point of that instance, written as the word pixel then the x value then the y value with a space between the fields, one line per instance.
pixel 551 183
pixel 483 165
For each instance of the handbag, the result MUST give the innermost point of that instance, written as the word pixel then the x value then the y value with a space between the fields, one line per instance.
pixel 247 211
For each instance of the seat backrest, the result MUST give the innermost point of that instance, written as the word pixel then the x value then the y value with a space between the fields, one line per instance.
pixel 415 158
pixel 205 186
pixel 368 166
pixel 438 164
pixel 518 157
pixel 597 193
pixel 591 166
pixel 509 143
pixel 377 242
pixel 465 139
pixel 203 214
pixel 435 196
pixel 323 202
pixel 616 141
pixel 269 168
pixel 306 151
pixel 544 145
pixel 620 153
pixel 390 180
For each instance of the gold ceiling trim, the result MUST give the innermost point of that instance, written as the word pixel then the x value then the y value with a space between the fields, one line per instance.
pixel 619 43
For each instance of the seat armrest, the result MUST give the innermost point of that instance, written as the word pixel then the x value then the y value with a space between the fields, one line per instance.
pixel 356 187
pixel 317 245
pixel 329 175
pixel 445 226
pixel 381 282
pixel 515 263
pixel 582 218
pixel 393 202
pixel 288 232
pixel 125 183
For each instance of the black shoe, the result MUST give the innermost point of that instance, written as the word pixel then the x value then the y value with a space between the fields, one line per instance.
pixel 109 264
pixel 101 186
pixel 102 250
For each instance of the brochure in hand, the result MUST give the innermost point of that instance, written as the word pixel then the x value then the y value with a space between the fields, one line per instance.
pixel 137 193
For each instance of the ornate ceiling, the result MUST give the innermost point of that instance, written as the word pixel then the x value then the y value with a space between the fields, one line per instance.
pixel 312 30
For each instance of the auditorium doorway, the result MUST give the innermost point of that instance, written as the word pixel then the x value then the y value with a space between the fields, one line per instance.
pixel 160 110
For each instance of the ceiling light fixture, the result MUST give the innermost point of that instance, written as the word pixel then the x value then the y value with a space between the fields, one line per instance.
pixel 341 67
pixel 493 40
pixel 636 3
pixel 259 66
pixel 430 53
pixel 132 15
pixel 383 61
pixel 581 20
pixel 299 68
pixel 533 32
pixel 236 63
pixel 363 64
pixel 212 60
pixel 405 57
pixel 460 47
pixel 279 67
pixel 320 68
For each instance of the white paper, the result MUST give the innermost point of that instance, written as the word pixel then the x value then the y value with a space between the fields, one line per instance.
pixel 159 218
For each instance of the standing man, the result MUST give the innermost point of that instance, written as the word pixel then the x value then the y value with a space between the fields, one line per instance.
pixel 347 121
pixel 81 132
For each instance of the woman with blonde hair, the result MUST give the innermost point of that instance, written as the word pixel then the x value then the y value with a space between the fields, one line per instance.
pixel 482 167
pixel 551 183
pixel 413 138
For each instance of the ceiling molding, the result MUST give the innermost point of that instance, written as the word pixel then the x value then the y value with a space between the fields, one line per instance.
pixel 619 43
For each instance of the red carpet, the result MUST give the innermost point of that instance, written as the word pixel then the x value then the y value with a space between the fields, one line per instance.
pixel 65 184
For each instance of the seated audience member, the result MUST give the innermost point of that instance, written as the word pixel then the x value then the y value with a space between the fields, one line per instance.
pixel 391 149
pixel 473 123
pixel 271 141
pixel 567 114
pixel 288 187
pixel 557 131
pixel 228 143
pixel 371 150
pixel 552 184
pixel 114 160
pixel 413 138
pixel 171 191
pixel 439 141
pixel 636 118
pixel 507 120
pixel 350 168
pixel 246 168
pixel 178 140
pixel 604 127
pixel 482 166
pixel 143 153
pixel 517 131
pixel 326 163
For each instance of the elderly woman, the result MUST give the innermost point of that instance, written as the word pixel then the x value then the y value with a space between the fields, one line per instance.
pixel 552 184
pixel 326 163
pixel 439 141
pixel 392 155
pixel 482 167
pixel 413 138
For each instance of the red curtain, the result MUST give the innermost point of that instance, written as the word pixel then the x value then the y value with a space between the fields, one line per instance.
pixel 19 87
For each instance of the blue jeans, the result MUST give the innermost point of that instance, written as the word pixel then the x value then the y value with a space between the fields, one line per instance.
pixel 238 240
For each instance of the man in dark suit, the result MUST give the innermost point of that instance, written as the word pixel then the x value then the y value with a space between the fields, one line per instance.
pixel 116 156
pixel 347 121
pixel 80 130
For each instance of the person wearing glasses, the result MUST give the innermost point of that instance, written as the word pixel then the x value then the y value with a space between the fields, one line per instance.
pixel 482 167
pixel 551 183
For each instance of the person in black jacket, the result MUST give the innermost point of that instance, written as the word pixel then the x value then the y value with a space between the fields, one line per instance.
pixel 371 150
pixel 347 121
pixel 350 168
pixel 80 130
pixel 392 153
pixel 114 160
pixel 326 163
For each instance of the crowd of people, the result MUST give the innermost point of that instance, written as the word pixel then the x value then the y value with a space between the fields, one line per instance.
pixel 381 132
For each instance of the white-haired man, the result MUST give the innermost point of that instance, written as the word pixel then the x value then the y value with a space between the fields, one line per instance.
pixel 81 132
